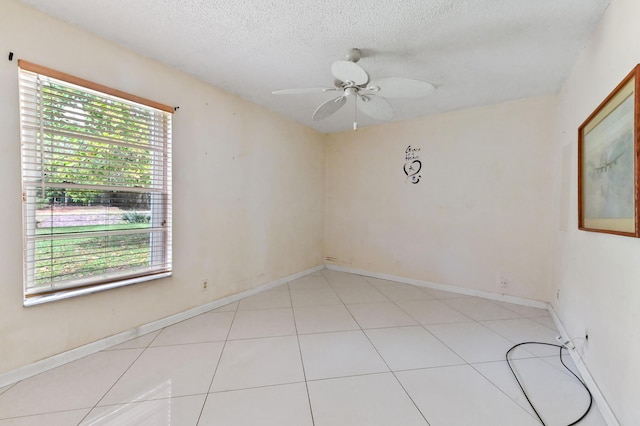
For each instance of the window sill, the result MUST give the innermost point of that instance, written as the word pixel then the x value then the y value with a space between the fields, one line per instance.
pixel 67 294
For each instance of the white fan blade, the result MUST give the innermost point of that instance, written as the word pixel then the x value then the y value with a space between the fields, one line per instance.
pixel 304 91
pixel 395 87
pixel 349 71
pixel 328 108
pixel 375 106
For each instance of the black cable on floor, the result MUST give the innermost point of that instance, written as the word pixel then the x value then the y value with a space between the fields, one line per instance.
pixel 565 366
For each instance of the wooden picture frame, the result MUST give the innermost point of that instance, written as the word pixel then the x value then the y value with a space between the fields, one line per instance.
pixel 608 154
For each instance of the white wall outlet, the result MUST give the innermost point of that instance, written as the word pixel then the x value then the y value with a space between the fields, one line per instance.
pixel 205 285
pixel 502 281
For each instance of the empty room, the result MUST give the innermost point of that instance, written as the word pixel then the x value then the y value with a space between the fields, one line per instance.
pixel 319 213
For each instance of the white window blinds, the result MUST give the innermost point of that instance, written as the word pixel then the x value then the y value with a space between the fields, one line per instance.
pixel 96 179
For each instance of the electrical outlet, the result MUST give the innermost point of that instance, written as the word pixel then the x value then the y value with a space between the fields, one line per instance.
pixel 205 285
pixel 502 281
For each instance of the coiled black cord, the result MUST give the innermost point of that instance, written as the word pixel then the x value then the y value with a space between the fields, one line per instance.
pixel 565 366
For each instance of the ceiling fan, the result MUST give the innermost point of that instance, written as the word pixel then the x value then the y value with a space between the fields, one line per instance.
pixel 351 80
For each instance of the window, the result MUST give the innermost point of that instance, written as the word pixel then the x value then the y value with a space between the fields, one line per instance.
pixel 96 183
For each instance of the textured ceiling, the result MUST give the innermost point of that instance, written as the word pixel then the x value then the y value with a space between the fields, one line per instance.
pixel 476 52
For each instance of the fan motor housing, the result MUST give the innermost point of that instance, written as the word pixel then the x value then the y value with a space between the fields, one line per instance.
pixel 350 91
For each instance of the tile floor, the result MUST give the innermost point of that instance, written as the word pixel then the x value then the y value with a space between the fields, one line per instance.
pixel 328 349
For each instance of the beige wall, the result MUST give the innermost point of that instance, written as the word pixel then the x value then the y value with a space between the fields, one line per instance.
pixel 248 193
pixel 598 275
pixel 254 191
pixel 480 210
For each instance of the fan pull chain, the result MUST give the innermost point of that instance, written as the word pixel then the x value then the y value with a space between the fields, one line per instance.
pixel 355 113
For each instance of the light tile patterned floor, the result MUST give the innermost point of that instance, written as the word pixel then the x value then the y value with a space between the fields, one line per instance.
pixel 328 349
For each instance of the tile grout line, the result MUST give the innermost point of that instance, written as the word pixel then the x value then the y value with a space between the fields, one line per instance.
pixel 436 337
pixel 452 349
pixel 120 377
pixel 459 355
pixel 215 370
pixel 306 381
pixel 395 302
pixel 519 316
pixel 514 361
pixel 501 390
pixel 362 330
pixel 481 323
pixel 8 388
pixel 304 372
pixel 424 327
pixel 467 315
pixel 47 413
pixel 533 356
pixel 395 376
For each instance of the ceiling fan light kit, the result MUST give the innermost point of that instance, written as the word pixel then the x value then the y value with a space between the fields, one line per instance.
pixel 369 96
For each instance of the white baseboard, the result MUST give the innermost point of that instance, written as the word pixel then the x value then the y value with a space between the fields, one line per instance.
pixel 598 397
pixel 54 361
pixel 41 366
pixel 444 287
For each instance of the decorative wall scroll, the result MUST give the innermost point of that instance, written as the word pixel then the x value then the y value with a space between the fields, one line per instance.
pixel 608 162
pixel 412 165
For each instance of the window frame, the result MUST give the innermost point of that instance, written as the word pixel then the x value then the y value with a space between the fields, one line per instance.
pixel 162 206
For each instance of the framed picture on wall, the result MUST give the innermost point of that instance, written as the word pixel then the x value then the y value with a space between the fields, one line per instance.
pixel 608 162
